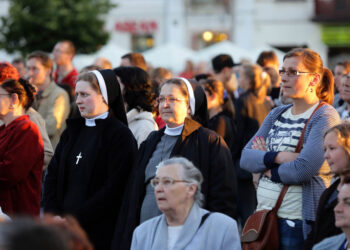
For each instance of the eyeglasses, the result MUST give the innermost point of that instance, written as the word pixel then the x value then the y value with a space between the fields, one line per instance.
pixel 292 72
pixel 165 181
pixel 169 99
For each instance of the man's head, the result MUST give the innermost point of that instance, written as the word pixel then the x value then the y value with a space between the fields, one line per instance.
pixel 342 209
pixel 20 65
pixel 268 59
pixel 222 62
pixel 63 52
pixel 134 59
pixel 7 71
pixel 39 68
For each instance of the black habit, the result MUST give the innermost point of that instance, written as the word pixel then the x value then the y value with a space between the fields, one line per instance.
pixel 110 164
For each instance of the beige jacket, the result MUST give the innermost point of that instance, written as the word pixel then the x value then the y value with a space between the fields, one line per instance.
pixel 53 106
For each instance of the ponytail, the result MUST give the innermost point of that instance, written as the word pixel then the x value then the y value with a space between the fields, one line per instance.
pixel 325 89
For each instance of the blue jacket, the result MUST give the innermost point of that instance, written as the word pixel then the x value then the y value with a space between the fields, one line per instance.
pixel 334 242
pixel 303 171
pixel 218 232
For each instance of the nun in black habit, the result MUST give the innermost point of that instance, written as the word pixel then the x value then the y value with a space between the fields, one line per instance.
pixel 88 173
pixel 179 104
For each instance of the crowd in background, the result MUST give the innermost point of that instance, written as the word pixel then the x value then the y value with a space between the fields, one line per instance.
pixel 130 156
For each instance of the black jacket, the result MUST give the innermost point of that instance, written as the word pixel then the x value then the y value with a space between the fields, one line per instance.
pixel 324 225
pixel 115 153
pixel 208 152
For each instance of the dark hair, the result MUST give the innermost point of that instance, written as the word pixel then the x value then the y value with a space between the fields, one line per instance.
pixel 213 86
pixel 43 57
pixel 25 233
pixel 136 59
pixel 259 81
pixel 71 47
pixel 313 62
pixel 266 57
pixel 24 91
pixel 138 92
pixel 90 78
pixel 221 61
pixel 19 60
pixel 202 76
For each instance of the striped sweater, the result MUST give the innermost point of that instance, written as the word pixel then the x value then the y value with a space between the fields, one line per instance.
pixel 305 169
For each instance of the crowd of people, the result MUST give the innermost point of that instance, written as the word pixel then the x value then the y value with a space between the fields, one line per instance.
pixel 133 157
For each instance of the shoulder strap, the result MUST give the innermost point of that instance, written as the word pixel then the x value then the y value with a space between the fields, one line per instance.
pixel 301 138
pixel 204 217
pixel 297 150
pixel 280 197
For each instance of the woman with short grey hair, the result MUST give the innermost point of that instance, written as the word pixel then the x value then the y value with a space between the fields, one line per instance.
pixel 183 224
pixel 189 173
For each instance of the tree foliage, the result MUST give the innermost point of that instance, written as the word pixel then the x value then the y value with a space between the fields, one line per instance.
pixel 39 24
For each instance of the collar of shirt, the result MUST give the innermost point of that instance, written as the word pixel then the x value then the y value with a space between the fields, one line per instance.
pixel 91 122
pixel 173 131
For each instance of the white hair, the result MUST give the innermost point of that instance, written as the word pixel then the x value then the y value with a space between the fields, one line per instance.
pixel 188 173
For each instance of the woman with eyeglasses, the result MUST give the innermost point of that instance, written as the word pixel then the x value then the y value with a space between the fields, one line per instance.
pixel 183 224
pixel 21 151
pixel 182 136
pixel 271 151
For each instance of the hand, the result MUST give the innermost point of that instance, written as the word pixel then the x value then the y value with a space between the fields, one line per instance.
pixel 259 143
pixel 283 157
pixel 268 173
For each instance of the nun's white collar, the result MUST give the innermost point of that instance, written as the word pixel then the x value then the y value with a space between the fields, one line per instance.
pixel 90 122
pixel 173 131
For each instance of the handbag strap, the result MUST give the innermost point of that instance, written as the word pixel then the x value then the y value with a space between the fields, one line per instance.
pixel 301 138
pixel 297 150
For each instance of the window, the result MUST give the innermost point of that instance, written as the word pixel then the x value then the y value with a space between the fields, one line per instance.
pixel 142 42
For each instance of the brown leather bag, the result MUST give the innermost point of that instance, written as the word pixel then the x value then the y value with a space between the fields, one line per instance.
pixel 260 231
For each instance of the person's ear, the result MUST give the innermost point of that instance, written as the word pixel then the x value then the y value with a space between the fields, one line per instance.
pixel 315 80
pixel 191 190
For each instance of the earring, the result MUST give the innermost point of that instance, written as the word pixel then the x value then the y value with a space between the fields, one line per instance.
pixel 311 90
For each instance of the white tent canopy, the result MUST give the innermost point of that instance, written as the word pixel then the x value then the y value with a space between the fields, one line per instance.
pixel 225 47
pixel 169 56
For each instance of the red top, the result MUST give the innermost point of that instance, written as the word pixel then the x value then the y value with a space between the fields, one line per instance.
pixel 68 79
pixel 160 122
pixel 21 166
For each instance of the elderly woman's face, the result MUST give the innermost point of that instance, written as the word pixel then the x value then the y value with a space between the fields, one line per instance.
pixel 89 102
pixel 173 106
pixel 176 195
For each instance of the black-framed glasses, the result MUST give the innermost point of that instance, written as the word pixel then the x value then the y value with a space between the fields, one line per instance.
pixel 165 181
pixel 292 72
pixel 169 99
